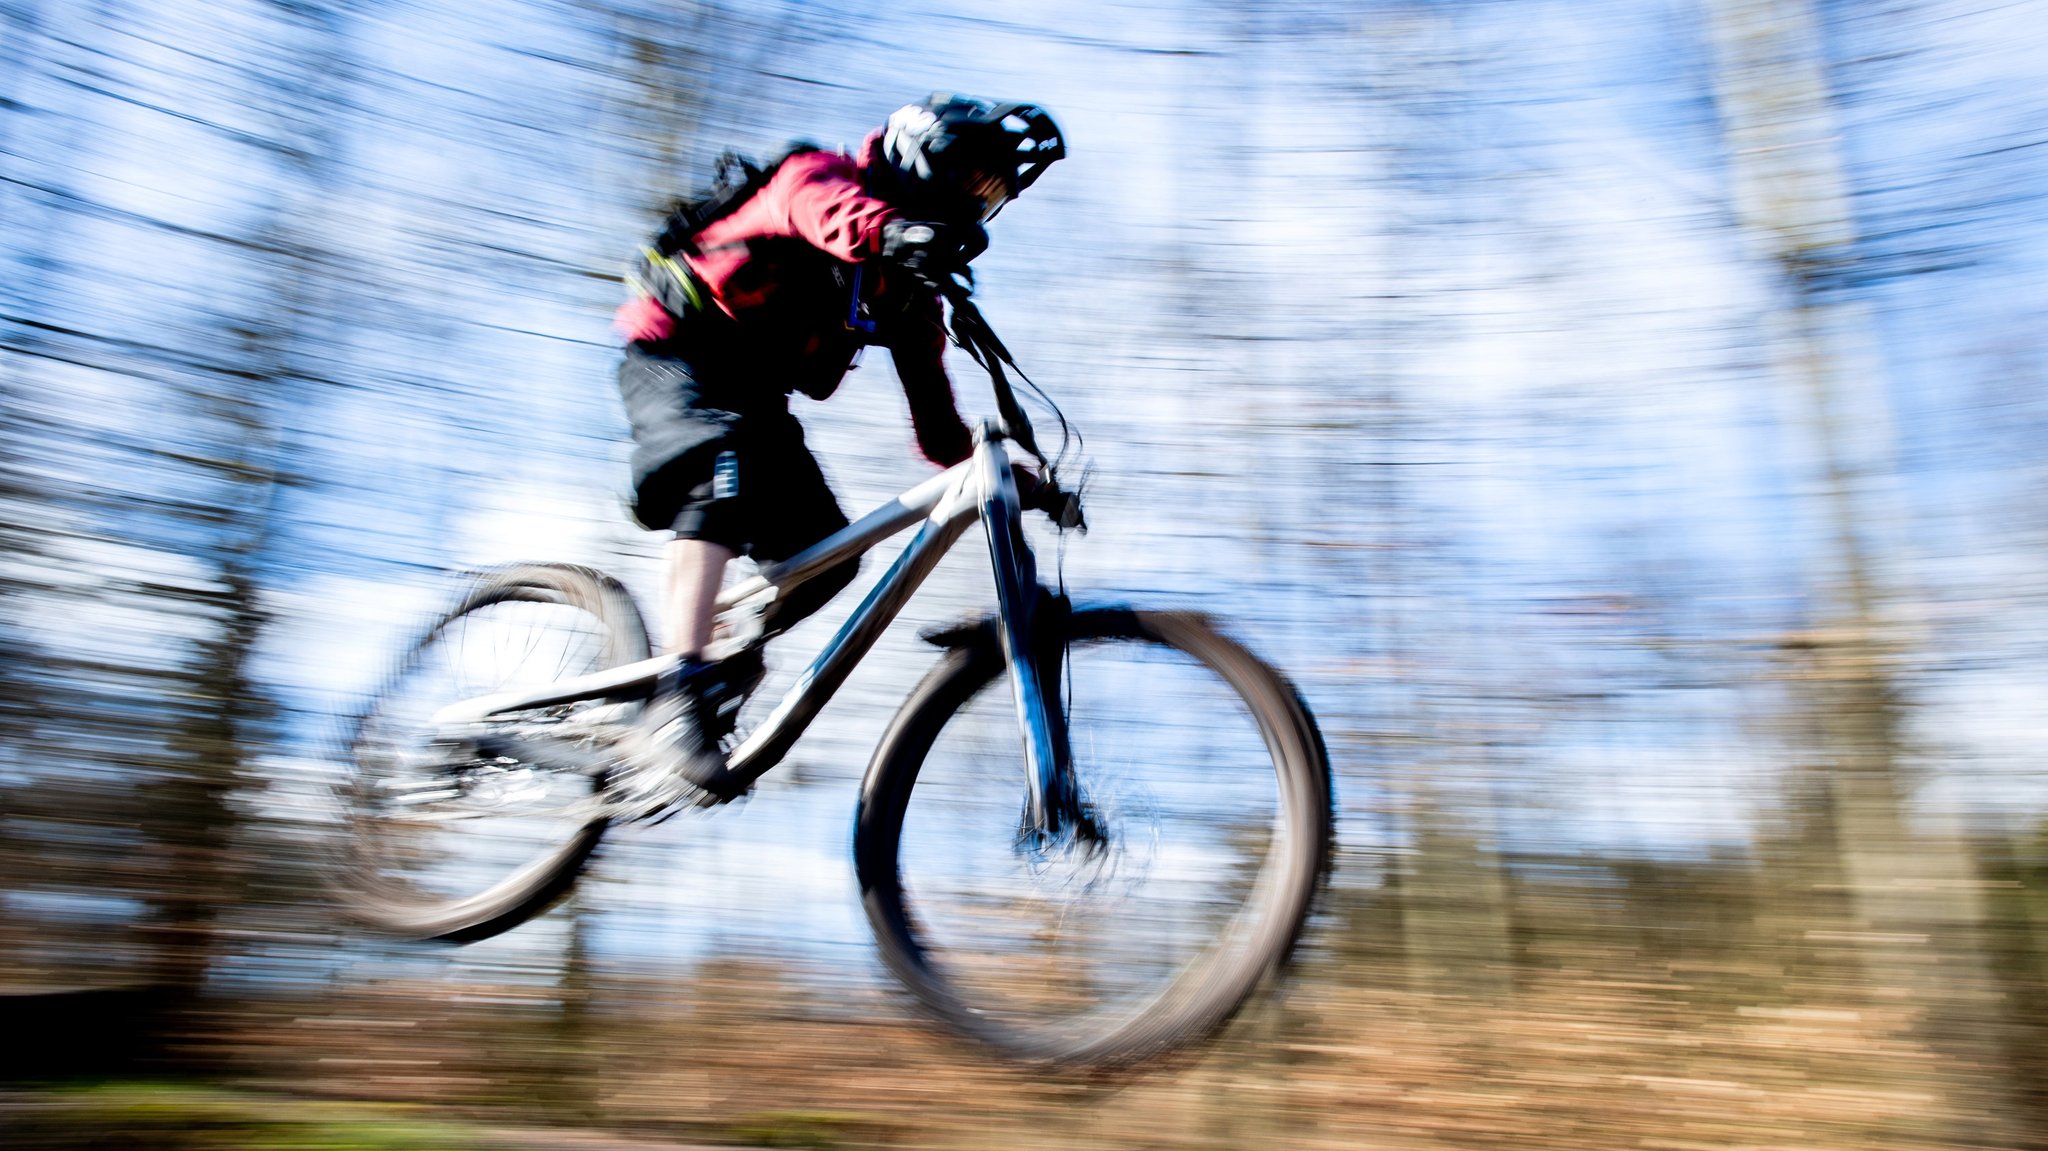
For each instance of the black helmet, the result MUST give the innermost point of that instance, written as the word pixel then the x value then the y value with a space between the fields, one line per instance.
pixel 965 149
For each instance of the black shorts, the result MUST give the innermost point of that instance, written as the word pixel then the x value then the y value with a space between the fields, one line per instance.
pixel 781 503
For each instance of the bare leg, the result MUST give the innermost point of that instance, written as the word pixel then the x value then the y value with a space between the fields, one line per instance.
pixel 696 569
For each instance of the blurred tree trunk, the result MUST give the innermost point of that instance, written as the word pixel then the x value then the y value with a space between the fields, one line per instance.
pixel 578 1047
pixel 2015 868
pixel 1913 915
pixel 665 104
pixel 193 820
pixel 668 78
pixel 1451 894
pixel 19 694
pixel 222 710
pixel 25 706
pixel 222 714
pixel 1456 914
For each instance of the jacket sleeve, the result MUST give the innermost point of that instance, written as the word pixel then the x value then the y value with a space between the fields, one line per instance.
pixel 823 203
pixel 921 364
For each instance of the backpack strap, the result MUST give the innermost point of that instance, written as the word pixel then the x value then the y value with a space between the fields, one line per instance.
pixel 669 281
pixel 735 179
pixel 658 269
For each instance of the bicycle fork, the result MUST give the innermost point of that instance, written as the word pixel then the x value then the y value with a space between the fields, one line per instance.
pixel 1032 653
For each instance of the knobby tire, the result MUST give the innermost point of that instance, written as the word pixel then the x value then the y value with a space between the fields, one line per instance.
pixel 1263 907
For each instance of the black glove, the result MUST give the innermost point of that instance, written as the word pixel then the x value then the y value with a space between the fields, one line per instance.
pixel 1037 493
pixel 931 250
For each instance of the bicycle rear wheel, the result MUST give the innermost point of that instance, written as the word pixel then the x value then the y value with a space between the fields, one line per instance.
pixel 1210 786
pixel 460 833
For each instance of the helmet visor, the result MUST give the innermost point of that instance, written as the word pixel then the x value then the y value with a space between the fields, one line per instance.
pixel 987 192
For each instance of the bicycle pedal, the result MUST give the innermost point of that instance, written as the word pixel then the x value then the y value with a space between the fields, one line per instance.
pixel 721 791
pixel 658 805
pixel 662 816
pixel 689 797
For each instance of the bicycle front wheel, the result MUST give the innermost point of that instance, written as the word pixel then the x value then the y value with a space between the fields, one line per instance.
pixel 1208 789
pixel 460 832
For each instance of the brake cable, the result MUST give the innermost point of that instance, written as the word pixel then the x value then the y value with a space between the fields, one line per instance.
pixel 971 331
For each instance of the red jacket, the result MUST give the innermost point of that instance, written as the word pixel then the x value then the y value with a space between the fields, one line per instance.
pixel 782 266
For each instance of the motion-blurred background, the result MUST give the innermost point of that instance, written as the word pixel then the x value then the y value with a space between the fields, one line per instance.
pixel 1623 419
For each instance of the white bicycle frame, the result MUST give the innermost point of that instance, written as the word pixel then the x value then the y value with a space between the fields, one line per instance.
pixel 981 487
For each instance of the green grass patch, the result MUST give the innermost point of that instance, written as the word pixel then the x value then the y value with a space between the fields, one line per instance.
pixel 172 1117
pixel 814 1130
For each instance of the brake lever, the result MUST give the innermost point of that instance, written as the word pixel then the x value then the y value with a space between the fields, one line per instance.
pixel 1067 514
pixel 1061 505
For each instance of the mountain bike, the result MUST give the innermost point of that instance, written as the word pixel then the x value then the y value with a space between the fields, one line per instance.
pixel 1087 835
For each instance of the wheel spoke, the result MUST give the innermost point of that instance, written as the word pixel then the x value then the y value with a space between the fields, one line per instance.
pixel 453 830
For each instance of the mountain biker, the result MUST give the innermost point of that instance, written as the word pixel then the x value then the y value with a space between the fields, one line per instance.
pixel 833 252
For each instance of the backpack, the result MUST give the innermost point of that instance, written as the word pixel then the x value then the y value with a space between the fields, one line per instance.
pixel 735 179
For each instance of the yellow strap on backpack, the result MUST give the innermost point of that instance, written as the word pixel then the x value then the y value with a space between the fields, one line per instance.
pixel 678 274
